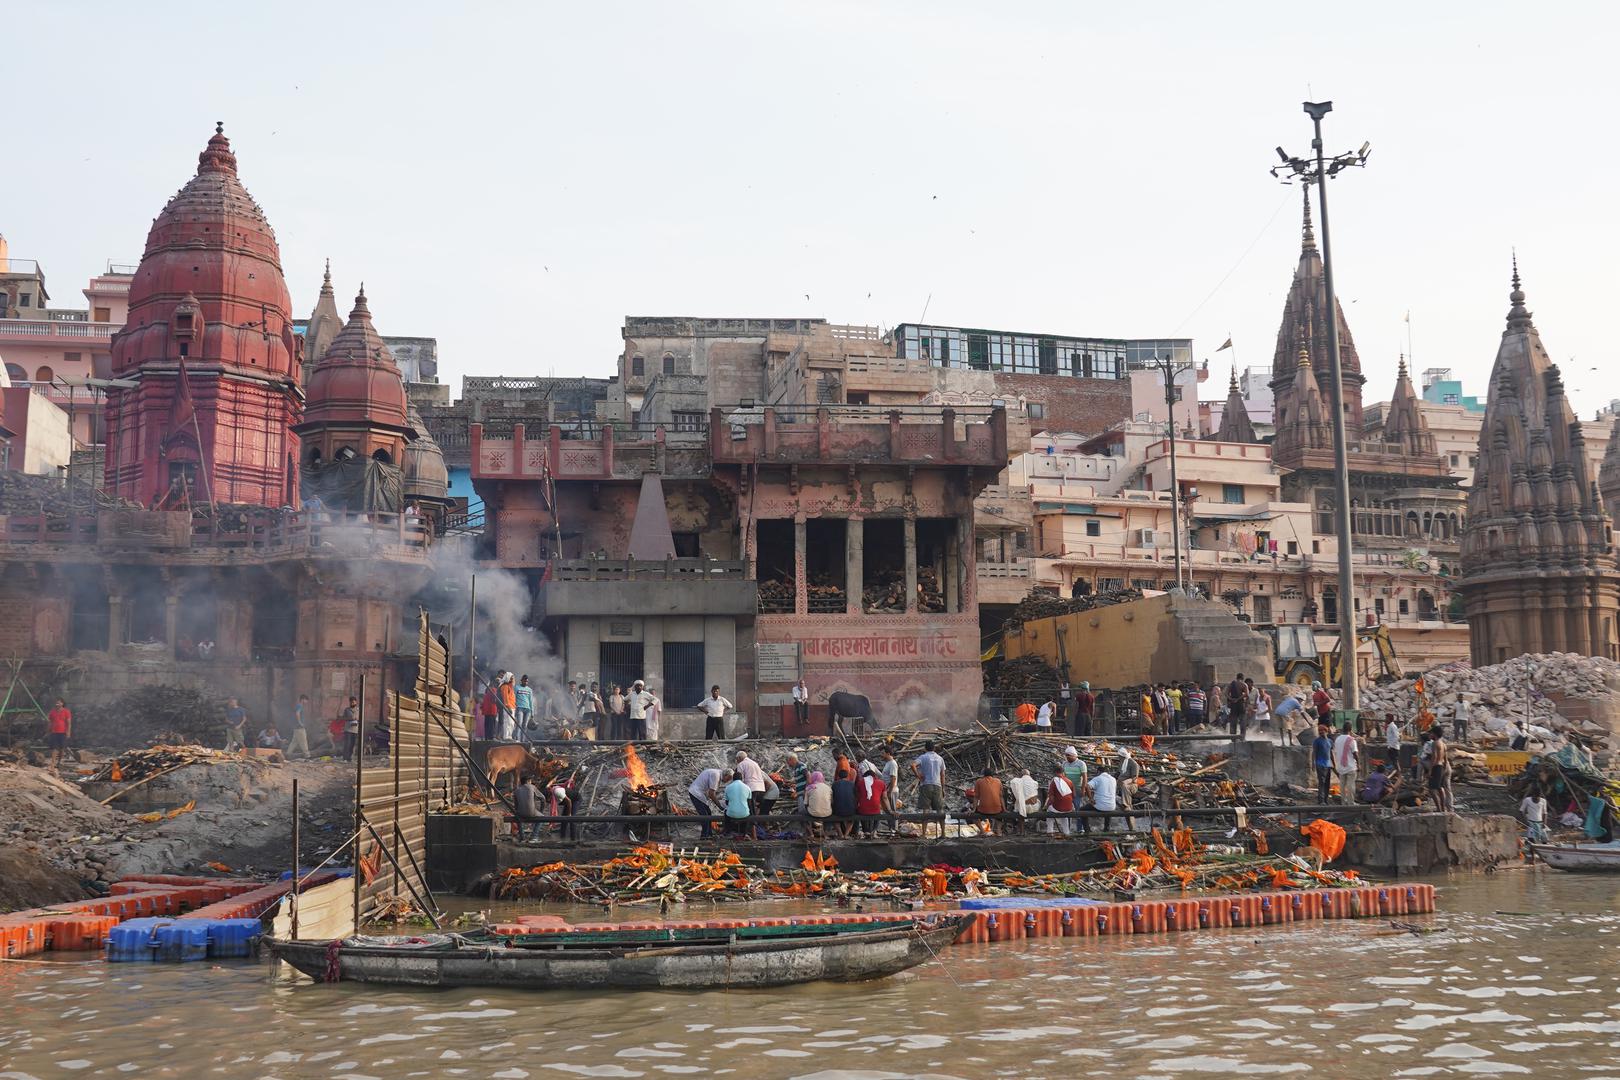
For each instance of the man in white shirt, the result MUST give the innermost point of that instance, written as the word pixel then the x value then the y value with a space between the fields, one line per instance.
pixel 1392 741
pixel 749 772
pixel 1534 808
pixel 1459 720
pixel 1043 718
pixel 640 700
pixel 1125 785
pixel 1025 796
pixel 801 702
pixel 714 708
pixel 705 793
pixel 1347 764
pixel 1104 794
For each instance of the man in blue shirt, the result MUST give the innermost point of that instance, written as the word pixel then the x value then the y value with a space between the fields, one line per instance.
pixel 1322 760
pixel 929 769
pixel 739 805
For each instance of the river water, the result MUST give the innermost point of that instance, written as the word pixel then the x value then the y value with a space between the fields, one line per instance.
pixel 1523 982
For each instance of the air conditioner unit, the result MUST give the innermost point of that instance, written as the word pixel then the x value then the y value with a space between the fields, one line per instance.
pixel 1145 538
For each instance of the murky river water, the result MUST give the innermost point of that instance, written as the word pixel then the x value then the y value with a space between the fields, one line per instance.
pixel 1525 981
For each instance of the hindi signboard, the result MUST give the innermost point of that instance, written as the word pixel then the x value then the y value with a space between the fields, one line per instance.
pixel 777 662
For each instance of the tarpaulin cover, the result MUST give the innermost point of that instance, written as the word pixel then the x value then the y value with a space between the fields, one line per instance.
pixel 358 485
pixel 1327 837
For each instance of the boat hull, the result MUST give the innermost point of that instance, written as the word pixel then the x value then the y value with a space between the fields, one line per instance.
pixel 845 957
pixel 1582 858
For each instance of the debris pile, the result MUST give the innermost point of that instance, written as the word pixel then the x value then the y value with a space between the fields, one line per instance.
pixel 24 495
pixel 1499 696
pixel 156 714
pixel 135 765
pixel 663 875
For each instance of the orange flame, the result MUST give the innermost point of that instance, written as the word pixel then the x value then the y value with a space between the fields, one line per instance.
pixel 634 770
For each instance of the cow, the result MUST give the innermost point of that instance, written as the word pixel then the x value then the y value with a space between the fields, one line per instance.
pixel 854 707
pixel 515 759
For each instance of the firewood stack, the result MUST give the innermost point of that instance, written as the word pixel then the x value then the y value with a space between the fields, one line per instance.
pixel 1039 605
pixel 930 595
pixel 776 594
pixel 825 595
pixel 885 592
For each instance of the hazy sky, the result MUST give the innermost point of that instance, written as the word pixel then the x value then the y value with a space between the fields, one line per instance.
pixel 514 179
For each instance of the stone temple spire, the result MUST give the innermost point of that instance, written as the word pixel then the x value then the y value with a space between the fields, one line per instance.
pixel 1305 319
pixel 1609 473
pixel 1405 423
pixel 1308 242
pixel 1235 423
pixel 1538 571
pixel 324 323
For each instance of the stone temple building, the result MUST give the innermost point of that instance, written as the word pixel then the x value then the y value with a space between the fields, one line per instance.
pixel 209 345
pixel 1539 569
pixel 208 572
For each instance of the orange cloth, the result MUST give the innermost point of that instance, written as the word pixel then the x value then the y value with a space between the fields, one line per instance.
pixel 508 697
pixel 1326 836
pixel 1025 713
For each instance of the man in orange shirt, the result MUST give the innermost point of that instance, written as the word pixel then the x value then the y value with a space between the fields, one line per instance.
pixel 1025 715
pixel 987 799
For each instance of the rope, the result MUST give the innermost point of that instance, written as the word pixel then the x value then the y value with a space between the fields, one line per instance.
pixel 334 966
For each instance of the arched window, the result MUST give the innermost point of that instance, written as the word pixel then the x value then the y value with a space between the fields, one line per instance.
pixel 314 456
pixel 382 456
pixel 44 374
pixel 638 366
pixel 16 374
pixel 669 363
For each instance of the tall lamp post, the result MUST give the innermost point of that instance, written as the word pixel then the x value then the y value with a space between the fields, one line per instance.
pixel 1170 367
pixel 1318 171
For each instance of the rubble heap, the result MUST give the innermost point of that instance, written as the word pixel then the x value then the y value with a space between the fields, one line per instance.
pixel 149 715
pixel 1500 695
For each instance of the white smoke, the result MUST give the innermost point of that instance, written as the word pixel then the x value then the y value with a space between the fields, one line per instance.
pixel 505 636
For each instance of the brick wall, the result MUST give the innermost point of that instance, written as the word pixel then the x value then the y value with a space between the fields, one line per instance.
pixel 1084 406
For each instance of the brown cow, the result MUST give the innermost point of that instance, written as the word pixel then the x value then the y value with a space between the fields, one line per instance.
pixel 515 759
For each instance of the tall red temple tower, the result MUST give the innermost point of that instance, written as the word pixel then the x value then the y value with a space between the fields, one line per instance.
pixel 210 347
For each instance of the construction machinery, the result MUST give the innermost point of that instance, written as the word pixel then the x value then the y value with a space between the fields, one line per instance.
pixel 1301 661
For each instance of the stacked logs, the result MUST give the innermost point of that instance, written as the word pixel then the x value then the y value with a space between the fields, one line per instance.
pixel 1039 605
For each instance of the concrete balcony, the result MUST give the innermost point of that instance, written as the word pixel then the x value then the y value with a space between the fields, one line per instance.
pixel 260 535
pixel 1004 582
pixel 585 450
pixel 610 587
pixel 1001 506
pixel 44 331
pixel 919 435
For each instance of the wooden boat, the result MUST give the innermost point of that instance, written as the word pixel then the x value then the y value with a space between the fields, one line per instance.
pixel 1592 858
pixel 687 958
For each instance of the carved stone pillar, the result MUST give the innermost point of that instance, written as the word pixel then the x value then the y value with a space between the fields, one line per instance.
pixel 911 565
pixel 854 564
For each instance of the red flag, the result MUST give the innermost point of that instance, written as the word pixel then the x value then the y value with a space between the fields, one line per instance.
pixel 184 412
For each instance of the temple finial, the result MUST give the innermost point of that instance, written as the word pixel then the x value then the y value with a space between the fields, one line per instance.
pixel 1309 232
pixel 219 127
pixel 1517 313
pixel 1233 387
pixel 1401 371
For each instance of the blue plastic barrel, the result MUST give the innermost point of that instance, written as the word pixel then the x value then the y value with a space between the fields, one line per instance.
pixel 183 939
pixel 131 940
pixel 232 937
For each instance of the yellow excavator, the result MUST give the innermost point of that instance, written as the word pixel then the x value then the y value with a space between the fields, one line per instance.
pixel 1301 662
